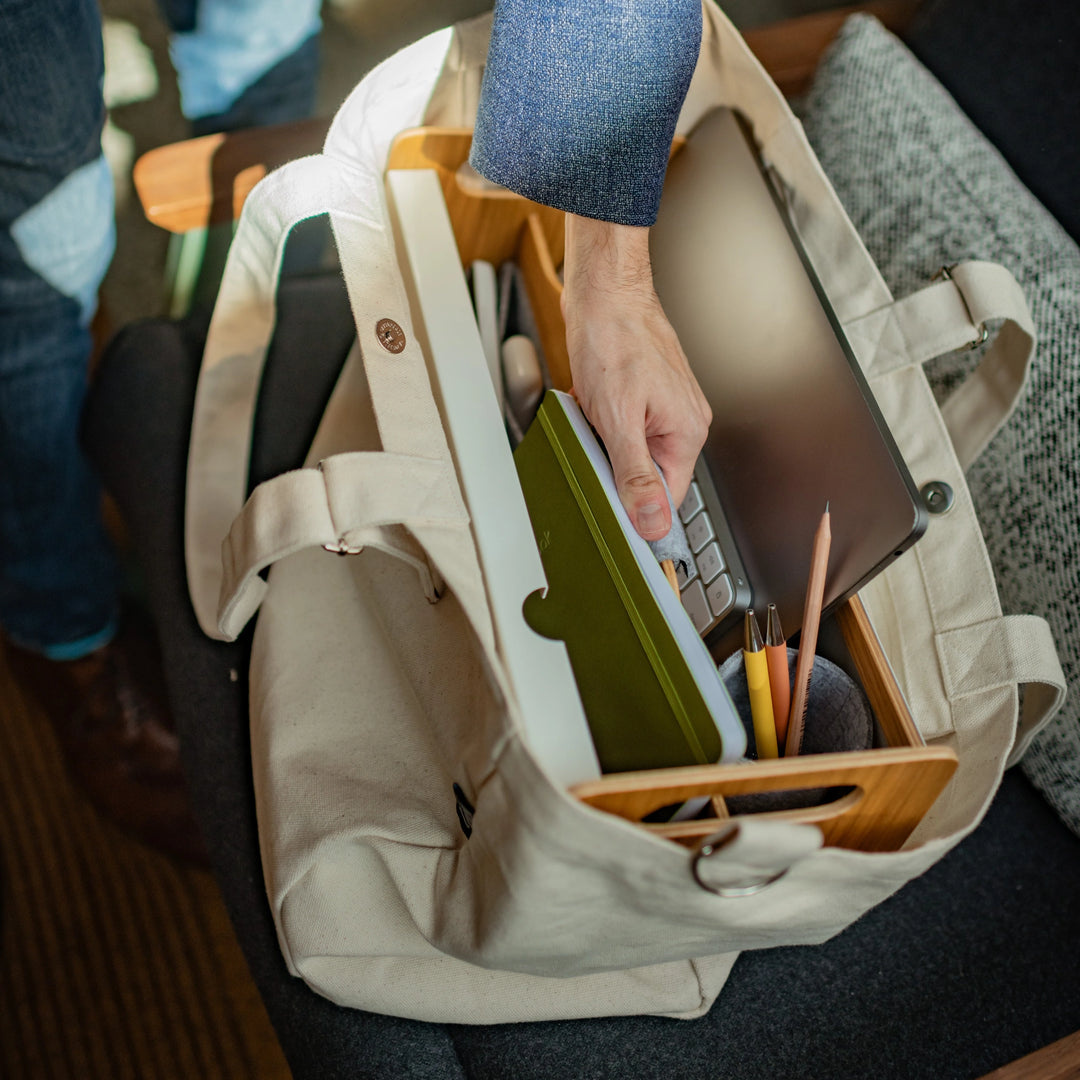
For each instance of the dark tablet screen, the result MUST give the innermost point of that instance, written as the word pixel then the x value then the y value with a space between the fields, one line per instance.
pixel 794 423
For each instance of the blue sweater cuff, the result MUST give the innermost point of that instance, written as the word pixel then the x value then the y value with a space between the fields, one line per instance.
pixel 580 101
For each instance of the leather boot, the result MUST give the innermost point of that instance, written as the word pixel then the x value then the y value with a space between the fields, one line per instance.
pixel 111 719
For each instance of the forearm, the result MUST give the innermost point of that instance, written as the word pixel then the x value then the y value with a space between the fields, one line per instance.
pixel 581 98
pixel 605 255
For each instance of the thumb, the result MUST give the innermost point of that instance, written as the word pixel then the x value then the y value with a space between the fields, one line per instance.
pixel 639 486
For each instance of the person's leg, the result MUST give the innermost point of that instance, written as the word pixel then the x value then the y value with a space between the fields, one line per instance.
pixel 57 577
pixel 59 615
pixel 242 63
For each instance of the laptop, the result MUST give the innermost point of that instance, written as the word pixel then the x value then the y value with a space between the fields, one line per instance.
pixel 794 423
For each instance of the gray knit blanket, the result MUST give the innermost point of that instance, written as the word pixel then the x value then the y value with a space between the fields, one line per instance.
pixel 924 188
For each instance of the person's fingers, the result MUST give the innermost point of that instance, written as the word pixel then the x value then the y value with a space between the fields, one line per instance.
pixel 676 455
pixel 638 483
pixel 678 479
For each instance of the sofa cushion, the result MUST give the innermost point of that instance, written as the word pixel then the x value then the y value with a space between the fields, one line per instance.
pixel 925 188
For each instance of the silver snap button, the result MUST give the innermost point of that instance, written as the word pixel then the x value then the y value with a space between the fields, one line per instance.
pixel 937 497
pixel 391 336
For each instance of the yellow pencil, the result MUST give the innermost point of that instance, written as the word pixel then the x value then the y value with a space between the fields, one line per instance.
pixel 757 682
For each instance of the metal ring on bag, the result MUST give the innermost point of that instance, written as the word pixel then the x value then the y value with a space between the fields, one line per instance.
pixel 945 274
pixel 716 843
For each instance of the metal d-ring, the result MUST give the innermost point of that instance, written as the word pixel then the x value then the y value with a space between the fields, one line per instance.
pixel 717 842
pixel 945 274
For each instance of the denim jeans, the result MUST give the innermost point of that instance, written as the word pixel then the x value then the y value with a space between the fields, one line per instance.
pixel 239 62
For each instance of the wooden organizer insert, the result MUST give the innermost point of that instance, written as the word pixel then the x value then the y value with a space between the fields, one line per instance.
pixel 891 787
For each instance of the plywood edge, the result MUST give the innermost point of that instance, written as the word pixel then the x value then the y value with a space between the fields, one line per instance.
pixel 651 787
pixel 429 148
pixel 876 675
pixel 1058 1061
pixel 545 297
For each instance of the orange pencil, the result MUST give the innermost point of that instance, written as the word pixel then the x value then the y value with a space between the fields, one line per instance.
pixel 779 676
pixel 815 595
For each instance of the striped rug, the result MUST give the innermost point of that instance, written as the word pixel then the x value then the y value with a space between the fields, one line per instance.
pixel 115 961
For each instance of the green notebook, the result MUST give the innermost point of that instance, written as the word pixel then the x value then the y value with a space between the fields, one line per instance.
pixel 650 689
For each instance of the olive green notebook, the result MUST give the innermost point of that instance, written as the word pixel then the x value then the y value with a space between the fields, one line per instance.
pixel 650 689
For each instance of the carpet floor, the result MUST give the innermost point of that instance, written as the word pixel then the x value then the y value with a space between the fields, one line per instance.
pixel 115 961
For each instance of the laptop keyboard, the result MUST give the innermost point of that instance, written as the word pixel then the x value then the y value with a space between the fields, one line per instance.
pixel 708 591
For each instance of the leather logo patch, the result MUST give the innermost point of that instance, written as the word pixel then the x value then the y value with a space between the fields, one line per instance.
pixel 391 336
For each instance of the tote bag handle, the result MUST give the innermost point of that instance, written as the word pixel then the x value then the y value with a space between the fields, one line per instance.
pixel 952 313
pixel 402 500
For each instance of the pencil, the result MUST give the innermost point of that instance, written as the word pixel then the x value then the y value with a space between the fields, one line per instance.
pixel 757 684
pixel 668 566
pixel 815 594
pixel 779 675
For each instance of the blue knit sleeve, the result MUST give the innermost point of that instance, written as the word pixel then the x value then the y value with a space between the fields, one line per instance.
pixel 580 100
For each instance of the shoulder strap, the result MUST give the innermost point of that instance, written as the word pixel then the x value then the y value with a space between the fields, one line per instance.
pixel 952 313
pixel 233 359
pixel 401 500
pixel 345 181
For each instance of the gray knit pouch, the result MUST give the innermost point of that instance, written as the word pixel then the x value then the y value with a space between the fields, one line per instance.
pixel 838 718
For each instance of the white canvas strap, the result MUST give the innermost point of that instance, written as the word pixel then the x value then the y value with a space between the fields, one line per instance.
pixel 351 500
pixel 233 360
pixel 1012 649
pixel 950 314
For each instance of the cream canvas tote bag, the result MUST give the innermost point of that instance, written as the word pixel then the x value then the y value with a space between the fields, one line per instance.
pixel 381 706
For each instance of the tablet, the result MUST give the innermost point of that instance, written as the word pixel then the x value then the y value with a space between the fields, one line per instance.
pixel 794 422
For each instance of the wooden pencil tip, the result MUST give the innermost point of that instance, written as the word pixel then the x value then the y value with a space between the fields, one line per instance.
pixel 668 566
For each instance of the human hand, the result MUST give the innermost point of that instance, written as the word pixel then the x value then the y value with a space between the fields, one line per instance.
pixel 631 376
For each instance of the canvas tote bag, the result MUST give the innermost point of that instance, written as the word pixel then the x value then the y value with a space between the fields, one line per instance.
pixel 380 706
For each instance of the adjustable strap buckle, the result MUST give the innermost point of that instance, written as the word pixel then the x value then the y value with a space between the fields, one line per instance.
pixel 341 547
pixel 945 274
